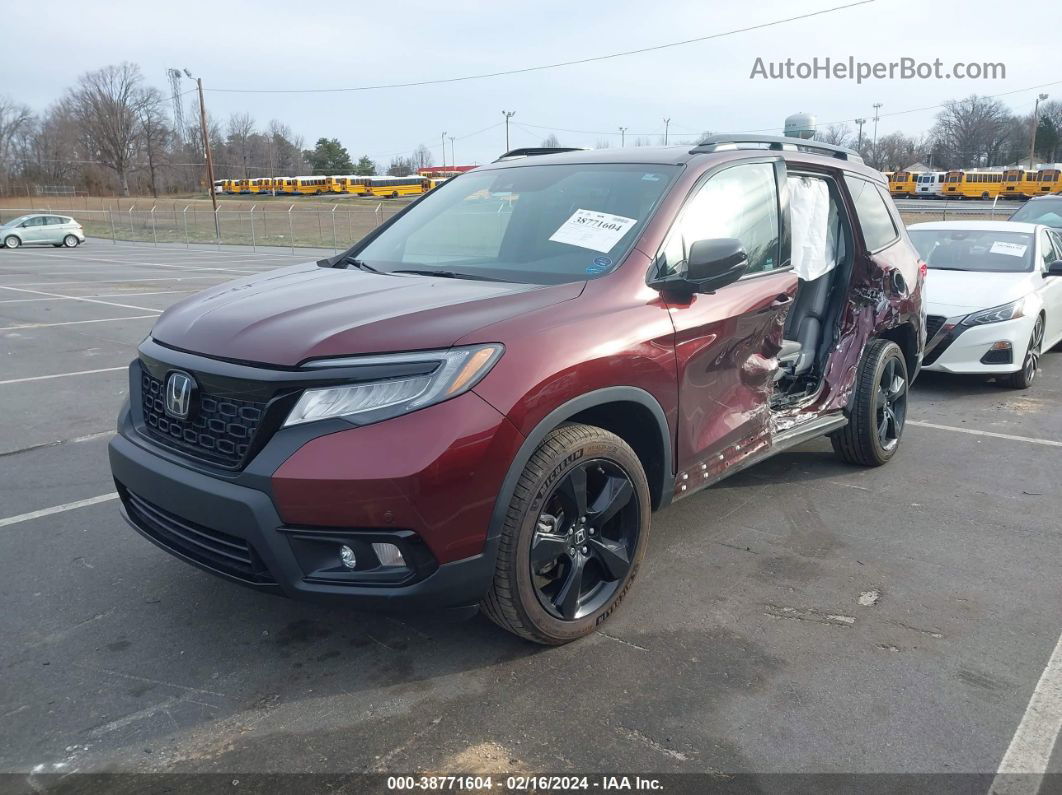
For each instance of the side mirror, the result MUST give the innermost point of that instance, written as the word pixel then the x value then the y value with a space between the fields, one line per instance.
pixel 710 264
pixel 1055 268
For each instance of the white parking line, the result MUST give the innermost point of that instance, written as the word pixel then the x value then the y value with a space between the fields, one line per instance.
pixel 61 375
pixel 25 517
pixel 134 263
pixel 79 298
pixel 117 281
pixel 76 322
pixel 98 295
pixel 993 434
pixel 1025 762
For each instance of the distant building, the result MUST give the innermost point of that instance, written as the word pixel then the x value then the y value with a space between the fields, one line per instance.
pixel 443 171
pixel 918 168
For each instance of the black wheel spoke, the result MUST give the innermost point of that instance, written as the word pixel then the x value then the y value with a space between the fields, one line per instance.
pixel 612 555
pixel 572 491
pixel 546 548
pixel 613 497
pixel 567 599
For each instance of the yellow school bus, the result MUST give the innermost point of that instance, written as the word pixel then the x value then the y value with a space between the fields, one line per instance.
pixel 283 185
pixel 434 182
pixel 309 186
pixel 1049 179
pixel 393 187
pixel 350 183
pixel 974 184
pixel 902 183
pixel 242 185
pixel 1019 183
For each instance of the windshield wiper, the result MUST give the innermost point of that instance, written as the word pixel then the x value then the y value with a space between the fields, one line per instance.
pixel 450 275
pixel 360 265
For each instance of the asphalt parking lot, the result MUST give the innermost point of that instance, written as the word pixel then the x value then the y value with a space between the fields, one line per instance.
pixel 802 616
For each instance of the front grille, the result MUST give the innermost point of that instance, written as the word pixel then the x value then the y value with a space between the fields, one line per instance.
pixel 219 430
pixel 206 546
pixel 933 324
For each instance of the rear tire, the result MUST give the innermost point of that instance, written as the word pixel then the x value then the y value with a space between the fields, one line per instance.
pixel 573 538
pixel 12 242
pixel 1023 379
pixel 879 407
pixel 71 241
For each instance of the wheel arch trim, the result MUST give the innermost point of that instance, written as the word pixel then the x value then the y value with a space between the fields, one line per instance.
pixel 599 397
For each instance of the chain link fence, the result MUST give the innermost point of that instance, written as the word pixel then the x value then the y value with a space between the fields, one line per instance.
pixel 337 227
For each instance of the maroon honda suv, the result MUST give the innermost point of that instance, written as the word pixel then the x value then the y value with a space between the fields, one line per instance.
pixel 481 404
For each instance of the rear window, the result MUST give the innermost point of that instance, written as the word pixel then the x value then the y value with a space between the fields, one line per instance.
pixel 974 250
pixel 1041 211
pixel 874 217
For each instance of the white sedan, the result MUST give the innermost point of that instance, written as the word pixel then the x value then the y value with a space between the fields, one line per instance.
pixel 993 297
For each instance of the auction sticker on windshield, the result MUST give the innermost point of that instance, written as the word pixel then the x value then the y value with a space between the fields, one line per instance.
pixel 593 230
pixel 1010 249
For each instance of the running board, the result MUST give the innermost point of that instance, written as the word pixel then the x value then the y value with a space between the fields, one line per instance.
pixel 791 437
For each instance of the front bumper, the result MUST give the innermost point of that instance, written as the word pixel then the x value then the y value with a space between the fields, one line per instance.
pixel 960 349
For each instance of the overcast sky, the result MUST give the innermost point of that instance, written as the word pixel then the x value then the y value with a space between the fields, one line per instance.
pixel 701 86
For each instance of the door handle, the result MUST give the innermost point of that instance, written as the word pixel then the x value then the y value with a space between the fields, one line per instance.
pixel 782 300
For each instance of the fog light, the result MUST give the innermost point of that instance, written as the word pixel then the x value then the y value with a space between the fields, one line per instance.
pixel 388 554
pixel 1000 353
pixel 346 555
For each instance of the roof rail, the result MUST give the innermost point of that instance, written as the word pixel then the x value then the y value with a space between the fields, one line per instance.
pixel 531 151
pixel 717 143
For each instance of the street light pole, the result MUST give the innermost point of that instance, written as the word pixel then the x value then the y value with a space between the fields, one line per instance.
pixel 508 115
pixel 453 157
pixel 206 150
pixel 444 149
pixel 667 123
pixel 860 122
pixel 623 137
pixel 1035 123
pixel 877 107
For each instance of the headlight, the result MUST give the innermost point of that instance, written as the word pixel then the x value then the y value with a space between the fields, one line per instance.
pixel 996 314
pixel 456 371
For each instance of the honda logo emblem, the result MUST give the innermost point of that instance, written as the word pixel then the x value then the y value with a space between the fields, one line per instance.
pixel 179 389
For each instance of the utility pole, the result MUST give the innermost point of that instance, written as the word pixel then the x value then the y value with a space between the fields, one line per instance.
pixel 877 107
pixel 206 150
pixel 623 137
pixel 444 149
pixel 453 158
pixel 508 115
pixel 1035 123
pixel 667 123
pixel 860 122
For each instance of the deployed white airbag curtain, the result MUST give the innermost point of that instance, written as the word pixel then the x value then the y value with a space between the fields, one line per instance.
pixel 814 231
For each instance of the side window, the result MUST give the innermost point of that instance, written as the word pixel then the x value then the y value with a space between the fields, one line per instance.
pixel 740 202
pixel 1057 239
pixel 875 219
pixel 1047 249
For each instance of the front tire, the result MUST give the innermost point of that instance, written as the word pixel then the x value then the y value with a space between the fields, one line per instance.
pixel 12 242
pixel 573 539
pixel 879 407
pixel 1023 379
pixel 71 241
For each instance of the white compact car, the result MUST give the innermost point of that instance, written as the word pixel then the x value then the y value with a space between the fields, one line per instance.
pixel 41 229
pixel 993 297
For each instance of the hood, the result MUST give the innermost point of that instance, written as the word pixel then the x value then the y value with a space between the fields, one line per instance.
pixel 951 293
pixel 302 312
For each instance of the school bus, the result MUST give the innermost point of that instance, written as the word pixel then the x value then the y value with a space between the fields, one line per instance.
pixel 1049 179
pixel 309 186
pixel 434 182
pixel 351 183
pixel 902 183
pixel 229 186
pixel 974 184
pixel 393 187
pixel 1019 183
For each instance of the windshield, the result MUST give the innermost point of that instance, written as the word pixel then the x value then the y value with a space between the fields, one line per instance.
pixel 1041 211
pixel 539 224
pixel 974 250
pixel 16 221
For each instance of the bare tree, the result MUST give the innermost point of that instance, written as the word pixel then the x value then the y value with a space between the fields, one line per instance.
pixel 421 158
pixel 240 130
pixel 973 131
pixel 400 167
pixel 835 134
pixel 550 142
pixel 602 143
pixel 156 133
pixel 107 105
pixel 15 121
